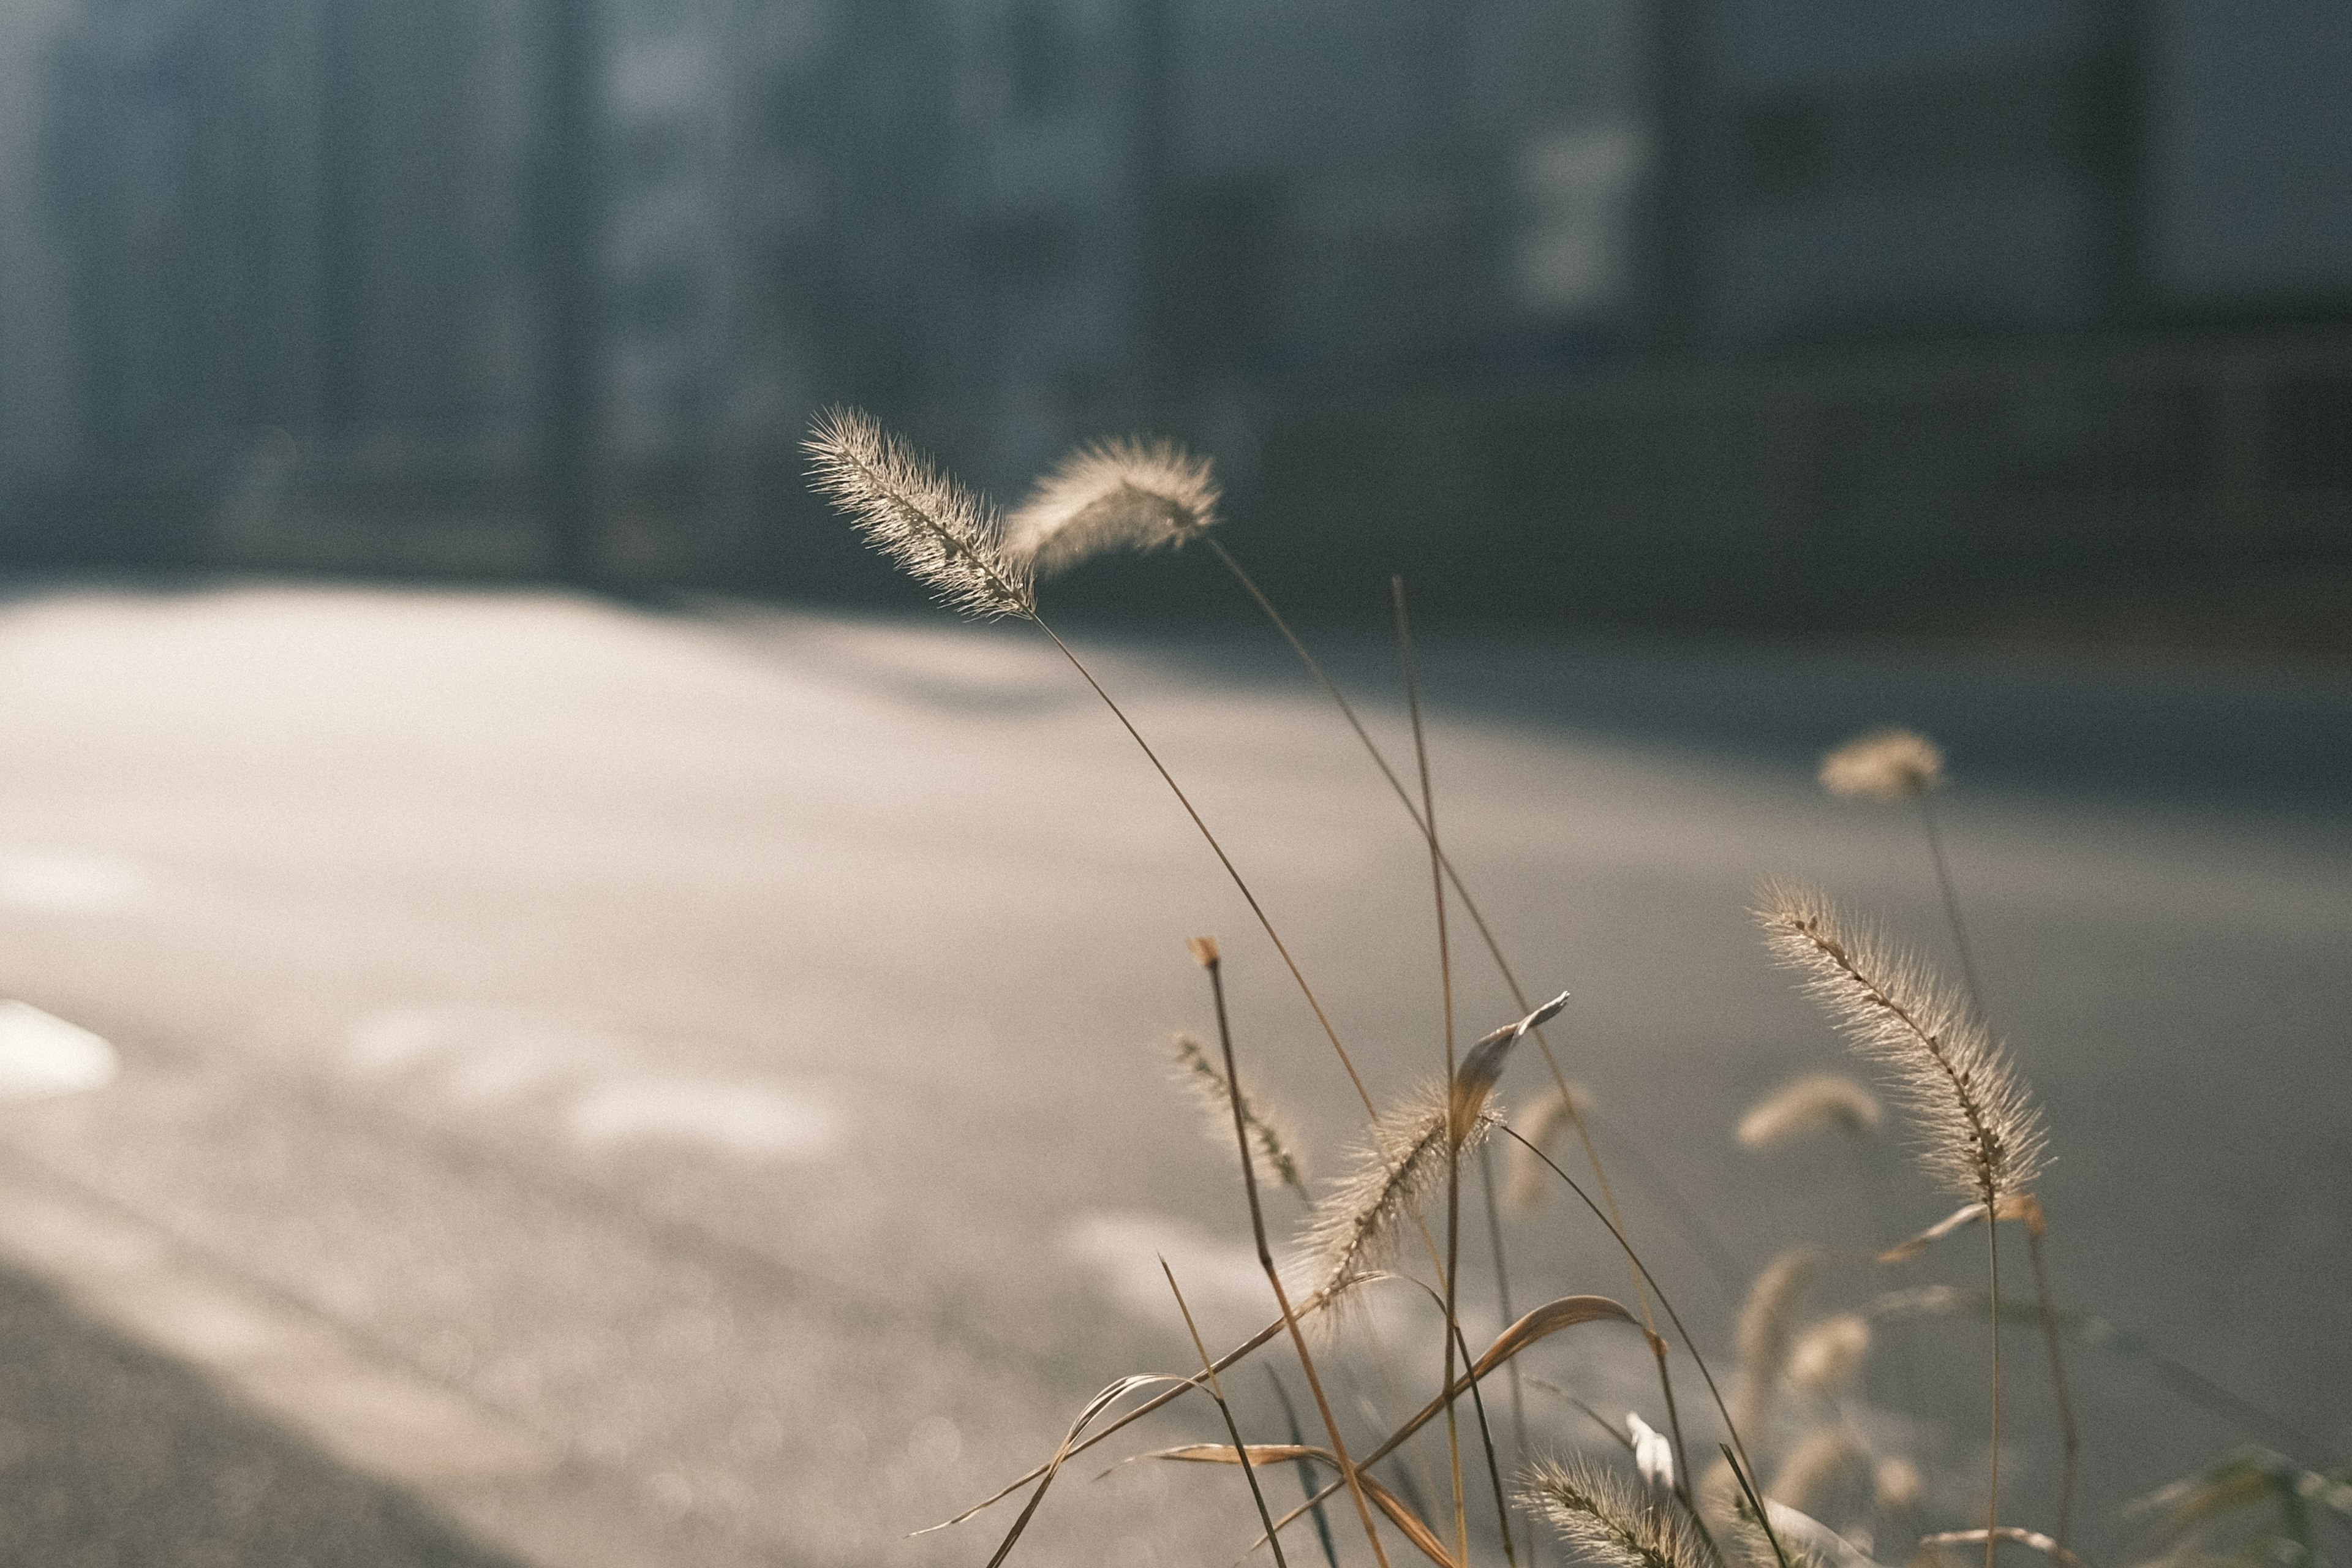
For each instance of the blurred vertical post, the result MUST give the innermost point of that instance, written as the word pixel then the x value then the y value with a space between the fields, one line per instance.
pixel 569 488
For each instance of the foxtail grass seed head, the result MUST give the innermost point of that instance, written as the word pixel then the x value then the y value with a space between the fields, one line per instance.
pixel 1353 1230
pixel 1539 1125
pixel 938 533
pixel 1885 764
pixel 1122 494
pixel 1897 1484
pixel 1980 1135
pixel 1804 1106
pixel 1827 1467
pixel 1653 1455
pixel 1767 1326
pixel 1828 1356
pixel 1603 1521
pixel 1482 1068
pixel 1271 1142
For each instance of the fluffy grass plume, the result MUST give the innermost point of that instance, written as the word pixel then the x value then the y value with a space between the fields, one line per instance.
pixel 1828 1356
pixel 1122 494
pixel 1980 1134
pixel 1807 1105
pixel 1603 1520
pixel 1540 1124
pixel 942 534
pixel 1268 1132
pixel 1354 1229
pixel 1885 764
pixel 1827 1467
pixel 1767 1328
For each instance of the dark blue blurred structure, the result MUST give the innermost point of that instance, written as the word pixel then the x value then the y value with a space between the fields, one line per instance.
pixel 1684 311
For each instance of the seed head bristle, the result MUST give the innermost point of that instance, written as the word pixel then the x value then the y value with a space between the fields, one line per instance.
pixel 1124 493
pixel 1807 1105
pixel 1603 1520
pixel 1767 1322
pixel 1539 1125
pixel 1268 1134
pixel 1885 764
pixel 1979 1133
pixel 940 533
pixel 1354 1229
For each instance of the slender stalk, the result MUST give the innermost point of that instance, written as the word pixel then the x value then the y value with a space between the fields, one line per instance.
pixel 1510 1315
pixel 1470 905
pixel 1992 1499
pixel 1951 903
pixel 1445 987
pixel 2070 1437
pixel 1240 884
pixel 1486 1437
pixel 1306 1474
pixel 1233 1428
pixel 1209 960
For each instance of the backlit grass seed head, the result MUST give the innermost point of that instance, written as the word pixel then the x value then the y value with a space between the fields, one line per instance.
pixel 1766 1328
pixel 1980 1135
pixel 1885 764
pixel 1827 1357
pixel 1271 1142
pixel 1353 1230
pixel 1540 1124
pixel 1807 1105
pixel 1121 494
pixel 940 533
pixel 1828 1467
pixel 1604 1520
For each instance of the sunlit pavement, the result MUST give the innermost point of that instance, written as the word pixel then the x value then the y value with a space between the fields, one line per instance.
pixel 618 1087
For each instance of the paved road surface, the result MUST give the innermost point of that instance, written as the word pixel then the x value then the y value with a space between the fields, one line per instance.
pixel 619 1087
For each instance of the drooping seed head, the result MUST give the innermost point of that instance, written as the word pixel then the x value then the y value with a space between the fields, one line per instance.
pixel 1885 764
pixel 1120 494
pixel 1807 1105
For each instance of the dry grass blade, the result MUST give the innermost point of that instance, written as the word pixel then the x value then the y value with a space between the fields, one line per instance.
pixel 1804 1106
pixel 1547 1320
pixel 1981 1135
pixel 1481 1066
pixel 1603 1521
pixel 1120 494
pixel 1267 1131
pixel 1767 1328
pixel 1353 1230
pixel 939 532
pixel 1563 1106
pixel 1233 1428
pixel 1070 1445
pixel 2019 1206
pixel 2032 1540
pixel 1806 1540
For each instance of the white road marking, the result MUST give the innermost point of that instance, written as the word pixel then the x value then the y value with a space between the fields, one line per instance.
pixel 42 1055
pixel 72 882
pixel 1125 1248
pixel 740 1117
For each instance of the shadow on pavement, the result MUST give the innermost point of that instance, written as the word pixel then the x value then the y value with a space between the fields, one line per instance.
pixel 112 1456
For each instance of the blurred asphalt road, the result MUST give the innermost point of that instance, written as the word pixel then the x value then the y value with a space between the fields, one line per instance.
pixel 607 1086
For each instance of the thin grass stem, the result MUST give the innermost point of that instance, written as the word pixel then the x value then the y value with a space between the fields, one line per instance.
pixel 1446 987
pixel 1207 952
pixel 1951 904
pixel 1510 1315
pixel 1217 1393
pixel 1486 1437
pixel 2069 1435
pixel 1992 1498
pixel 1470 905
pixel 1306 1473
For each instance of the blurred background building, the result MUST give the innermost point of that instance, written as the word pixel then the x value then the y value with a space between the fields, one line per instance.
pixel 1658 312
